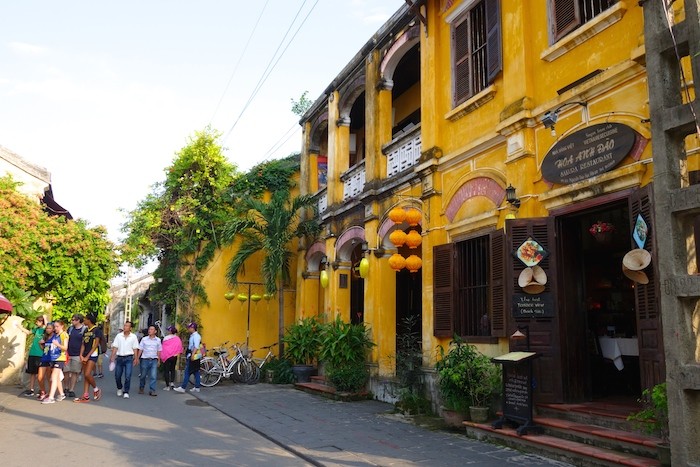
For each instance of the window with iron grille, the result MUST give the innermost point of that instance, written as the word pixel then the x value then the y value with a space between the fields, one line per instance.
pixel 472 314
pixel 567 15
pixel 476 49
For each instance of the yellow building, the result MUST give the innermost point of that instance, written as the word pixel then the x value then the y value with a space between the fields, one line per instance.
pixel 517 132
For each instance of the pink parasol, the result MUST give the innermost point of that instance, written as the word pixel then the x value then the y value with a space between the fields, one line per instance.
pixel 5 305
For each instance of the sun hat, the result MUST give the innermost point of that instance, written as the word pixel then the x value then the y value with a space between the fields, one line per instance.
pixel 539 275
pixel 532 280
pixel 193 326
pixel 172 329
pixel 639 277
pixel 637 259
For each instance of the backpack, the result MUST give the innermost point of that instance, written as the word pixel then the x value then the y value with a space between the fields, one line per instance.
pixel 82 330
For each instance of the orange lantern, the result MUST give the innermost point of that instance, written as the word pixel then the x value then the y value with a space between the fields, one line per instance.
pixel 397 262
pixel 413 263
pixel 413 217
pixel 397 215
pixel 398 237
pixel 413 239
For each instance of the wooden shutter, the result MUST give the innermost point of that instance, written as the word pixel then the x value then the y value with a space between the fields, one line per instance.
pixel 443 290
pixel 564 17
pixel 652 363
pixel 493 39
pixel 498 283
pixel 545 337
pixel 462 61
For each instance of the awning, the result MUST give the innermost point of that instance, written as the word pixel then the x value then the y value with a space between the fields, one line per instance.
pixel 5 305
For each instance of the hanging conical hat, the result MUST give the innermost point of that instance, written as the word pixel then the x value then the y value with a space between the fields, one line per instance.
pixel 637 259
pixel 534 288
pixel 539 275
pixel 640 277
pixel 525 277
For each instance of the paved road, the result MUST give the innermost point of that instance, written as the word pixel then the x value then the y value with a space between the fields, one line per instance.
pixel 233 424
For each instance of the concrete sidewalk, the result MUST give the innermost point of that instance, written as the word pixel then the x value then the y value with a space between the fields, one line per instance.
pixel 331 433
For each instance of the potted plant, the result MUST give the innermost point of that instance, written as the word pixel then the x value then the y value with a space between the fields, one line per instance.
pixel 302 345
pixel 467 380
pixel 344 349
pixel 653 418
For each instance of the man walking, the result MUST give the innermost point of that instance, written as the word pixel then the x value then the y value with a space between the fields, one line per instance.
pixel 74 366
pixel 89 353
pixel 149 355
pixel 192 357
pixel 125 356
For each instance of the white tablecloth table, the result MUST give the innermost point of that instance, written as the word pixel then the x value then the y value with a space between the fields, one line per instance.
pixel 613 348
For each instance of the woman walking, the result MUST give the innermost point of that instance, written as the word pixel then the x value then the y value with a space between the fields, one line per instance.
pixel 172 347
pixel 59 345
pixel 45 365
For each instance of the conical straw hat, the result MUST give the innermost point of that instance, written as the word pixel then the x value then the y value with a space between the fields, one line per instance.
pixel 539 275
pixel 640 277
pixel 525 277
pixel 637 259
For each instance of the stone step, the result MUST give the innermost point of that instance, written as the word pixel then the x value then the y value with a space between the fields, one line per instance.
pixel 608 415
pixel 565 450
pixel 325 390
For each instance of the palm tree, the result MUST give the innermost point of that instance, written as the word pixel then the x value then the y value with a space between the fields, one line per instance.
pixel 270 227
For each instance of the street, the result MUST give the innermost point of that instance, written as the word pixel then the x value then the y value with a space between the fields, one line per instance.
pixel 231 424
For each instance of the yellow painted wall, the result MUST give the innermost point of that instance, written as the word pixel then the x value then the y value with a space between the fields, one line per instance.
pixel 407 103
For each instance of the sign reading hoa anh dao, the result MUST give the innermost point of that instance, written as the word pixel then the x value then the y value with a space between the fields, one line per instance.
pixel 586 153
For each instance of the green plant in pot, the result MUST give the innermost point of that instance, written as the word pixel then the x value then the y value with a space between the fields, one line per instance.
pixel 344 349
pixel 653 418
pixel 302 345
pixel 467 379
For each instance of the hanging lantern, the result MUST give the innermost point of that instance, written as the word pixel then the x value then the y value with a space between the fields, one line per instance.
pixel 397 262
pixel 324 279
pixel 255 297
pixel 413 239
pixel 413 263
pixel 267 296
pixel 364 268
pixel 413 217
pixel 229 296
pixel 397 215
pixel 242 297
pixel 397 237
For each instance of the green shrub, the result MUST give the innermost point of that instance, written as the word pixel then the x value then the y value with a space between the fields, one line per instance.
pixel 282 371
pixel 302 341
pixel 350 377
pixel 343 343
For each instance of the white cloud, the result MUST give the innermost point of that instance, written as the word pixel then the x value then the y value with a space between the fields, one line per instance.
pixel 23 48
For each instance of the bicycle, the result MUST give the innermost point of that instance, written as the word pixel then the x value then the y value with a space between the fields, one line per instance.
pixel 213 369
pixel 261 362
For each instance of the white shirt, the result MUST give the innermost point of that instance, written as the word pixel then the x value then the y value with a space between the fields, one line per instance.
pixel 125 345
pixel 150 347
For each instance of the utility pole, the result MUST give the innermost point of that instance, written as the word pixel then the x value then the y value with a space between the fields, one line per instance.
pixel 674 116
pixel 127 304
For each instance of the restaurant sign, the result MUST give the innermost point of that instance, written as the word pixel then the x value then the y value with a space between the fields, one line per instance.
pixel 587 153
pixel 533 306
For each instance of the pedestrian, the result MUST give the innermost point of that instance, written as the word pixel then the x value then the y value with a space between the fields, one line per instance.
pixel 172 347
pixel 89 354
pixel 150 348
pixel 45 365
pixel 34 357
pixel 57 353
pixel 193 357
pixel 103 352
pixel 73 364
pixel 125 354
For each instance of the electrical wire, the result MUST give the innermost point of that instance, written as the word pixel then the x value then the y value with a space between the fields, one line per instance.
pixel 279 143
pixel 235 68
pixel 271 66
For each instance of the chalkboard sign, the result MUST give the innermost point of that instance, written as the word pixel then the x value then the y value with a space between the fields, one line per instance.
pixel 517 391
pixel 533 306
pixel 586 153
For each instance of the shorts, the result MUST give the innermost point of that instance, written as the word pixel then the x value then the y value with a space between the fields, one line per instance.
pixel 74 365
pixel 58 365
pixel 92 359
pixel 33 364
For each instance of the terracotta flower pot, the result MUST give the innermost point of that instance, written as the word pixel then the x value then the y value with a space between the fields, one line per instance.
pixel 479 414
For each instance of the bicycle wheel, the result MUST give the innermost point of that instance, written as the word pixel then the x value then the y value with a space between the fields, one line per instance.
pixel 209 372
pixel 244 371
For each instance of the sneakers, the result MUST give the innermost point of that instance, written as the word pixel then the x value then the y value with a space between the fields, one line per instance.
pixel 140 390
pixel 70 394
pixel 42 395
pixel 96 394
pixel 28 393
pixel 178 389
pixel 152 393
pixel 83 398
pixel 48 400
pixel 60 397
pixel 99 375
pixel 126 395
pixel 194 390
pixel 166 388
pixel 120 393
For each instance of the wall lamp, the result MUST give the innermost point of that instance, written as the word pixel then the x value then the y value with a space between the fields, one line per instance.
pixel 522 333
pixel 324 262
pixel 550 117
pixel 510 196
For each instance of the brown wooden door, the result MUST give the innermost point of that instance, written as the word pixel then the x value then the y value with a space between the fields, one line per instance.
pixel 652 363
pixel 544 332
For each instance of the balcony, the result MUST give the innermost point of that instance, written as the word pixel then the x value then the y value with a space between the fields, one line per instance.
pixel 353 181
pixel 403 151
pixel 322 200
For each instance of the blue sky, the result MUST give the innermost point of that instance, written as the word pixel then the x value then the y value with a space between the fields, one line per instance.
pixel 103 94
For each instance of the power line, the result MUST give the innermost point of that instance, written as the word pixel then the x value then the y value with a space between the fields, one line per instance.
pixel 271 66
pixel 235 68
pixel 279 143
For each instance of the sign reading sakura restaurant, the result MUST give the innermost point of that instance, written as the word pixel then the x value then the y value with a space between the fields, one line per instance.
pixel 587 153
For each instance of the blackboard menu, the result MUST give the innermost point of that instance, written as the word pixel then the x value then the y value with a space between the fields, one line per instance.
pixel 516 382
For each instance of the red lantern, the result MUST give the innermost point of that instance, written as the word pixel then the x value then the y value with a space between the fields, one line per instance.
pixel 398 237
pixel 413 239
pixel 397 215
pixel 413 263
pixel 413 217
pixel 397 262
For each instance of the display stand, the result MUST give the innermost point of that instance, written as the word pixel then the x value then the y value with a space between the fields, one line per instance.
pixel 517 392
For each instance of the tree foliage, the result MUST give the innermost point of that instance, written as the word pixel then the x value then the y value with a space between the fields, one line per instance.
pixel 178 222
pixel 52 257
pixel 302 105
